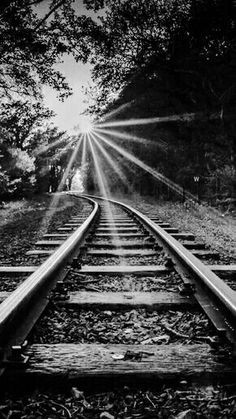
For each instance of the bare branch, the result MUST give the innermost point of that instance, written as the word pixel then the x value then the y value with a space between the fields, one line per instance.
pixel 57 6
pixel 35 2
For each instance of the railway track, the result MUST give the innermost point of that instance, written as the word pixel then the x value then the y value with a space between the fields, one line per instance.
pixel 119 298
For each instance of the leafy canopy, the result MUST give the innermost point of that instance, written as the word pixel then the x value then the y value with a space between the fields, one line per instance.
pixel 140 38
pixel 31 43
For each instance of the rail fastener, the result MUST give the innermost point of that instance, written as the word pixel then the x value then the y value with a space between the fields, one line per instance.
pixel 16 358
pixel 187 288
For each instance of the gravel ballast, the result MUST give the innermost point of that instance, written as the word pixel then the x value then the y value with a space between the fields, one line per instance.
pixel 159 259
pixel 183 402
pixel 115 283
pixel 128 327
pixel 61 325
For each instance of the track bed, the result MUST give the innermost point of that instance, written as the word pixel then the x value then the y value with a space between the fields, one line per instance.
pixel 124 311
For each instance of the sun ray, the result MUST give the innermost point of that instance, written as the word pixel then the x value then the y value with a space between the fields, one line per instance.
pixel 102 182
pixel 83 162
pixel 43 149
pixel 125 136
pixel 125 163
pixel 84 151
pixel 71 162
pixel 163 179
pixel 112 163
pixel 85 124
pixel 104 189
pixel 78 177
pixel 146 121
pixel 56 197
pixel 116 111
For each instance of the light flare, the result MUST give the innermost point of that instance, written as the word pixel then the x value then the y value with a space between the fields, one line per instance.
pixel 83 164
pixel 77 182
pixel 85 124
pixel 102 182
pixel 84 151
pixel 70 164
pixel 112 163
pixel 104 188
pixel 56 197
pixel 116 111
pixel 43 149
pixel 146 121
pixel 130 137
pixel 172 185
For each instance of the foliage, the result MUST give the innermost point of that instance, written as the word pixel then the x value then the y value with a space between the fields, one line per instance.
pixel 17 169
pixel 51 148
pixel 227 180
pixel 20 118
pixel 27 52
pixel 17 176
pixel 171 57
pixel 31 43
pixel 189 38
pixel 23 161
pixel 4 184
pixel 27 145
pixel 161 56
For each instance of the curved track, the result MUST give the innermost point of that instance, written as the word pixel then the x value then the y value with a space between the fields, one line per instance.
pixel 139 273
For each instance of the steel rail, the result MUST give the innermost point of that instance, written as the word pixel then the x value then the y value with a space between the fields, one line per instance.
pixel 222 291
pixel 29 288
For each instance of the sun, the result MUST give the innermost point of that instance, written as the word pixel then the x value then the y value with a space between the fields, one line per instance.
pixel 85 124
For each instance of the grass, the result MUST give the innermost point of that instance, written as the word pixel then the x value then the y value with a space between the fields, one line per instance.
pixel 206 223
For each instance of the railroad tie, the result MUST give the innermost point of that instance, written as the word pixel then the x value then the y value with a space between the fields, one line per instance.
pixel 39 252
pixel 127 300
pixel 177 305
pixel 50 243
pixel 102 362
pixel 121 252
pixel 124 269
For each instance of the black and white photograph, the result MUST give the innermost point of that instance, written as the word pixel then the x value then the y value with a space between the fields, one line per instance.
pixel 117 209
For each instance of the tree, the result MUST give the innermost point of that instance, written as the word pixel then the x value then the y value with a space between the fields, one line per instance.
pixel 30 44
pixel 20 118
pixel 191 39
pixel 170 57
pixel 16 172
pixel 28 143
pixel 51 149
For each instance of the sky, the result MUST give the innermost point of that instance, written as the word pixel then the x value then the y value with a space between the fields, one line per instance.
pixel 78 75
